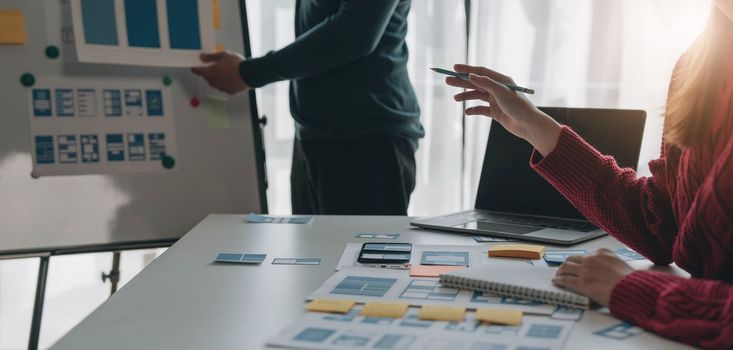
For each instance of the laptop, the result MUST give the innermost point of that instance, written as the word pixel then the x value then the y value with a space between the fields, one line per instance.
pixel 515 202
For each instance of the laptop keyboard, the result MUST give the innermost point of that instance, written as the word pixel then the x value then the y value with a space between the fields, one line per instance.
pixel 537 222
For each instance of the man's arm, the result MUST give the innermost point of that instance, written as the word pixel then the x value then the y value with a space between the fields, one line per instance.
pixel 352 32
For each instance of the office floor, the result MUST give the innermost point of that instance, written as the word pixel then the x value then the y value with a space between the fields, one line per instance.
pixel 74 289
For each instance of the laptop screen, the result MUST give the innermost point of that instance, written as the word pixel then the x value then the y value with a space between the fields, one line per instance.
pixel 508 184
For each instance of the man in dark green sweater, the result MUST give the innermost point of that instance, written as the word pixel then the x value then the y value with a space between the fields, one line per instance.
pixel 356 115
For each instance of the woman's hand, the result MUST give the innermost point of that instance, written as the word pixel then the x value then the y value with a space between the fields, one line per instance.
pixel 512 110
pixel 594 275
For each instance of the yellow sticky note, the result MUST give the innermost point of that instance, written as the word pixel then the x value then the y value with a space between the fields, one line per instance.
pixel 384 309
pixel 216 13
pixel 441 313
pixel 12 27
pixel 525 251
pixel 216 110
pixel 499 316
pixel 219 47
pixel 331 305
pixel 432 270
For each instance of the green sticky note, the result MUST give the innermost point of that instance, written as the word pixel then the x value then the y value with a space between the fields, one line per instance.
pixel 216 109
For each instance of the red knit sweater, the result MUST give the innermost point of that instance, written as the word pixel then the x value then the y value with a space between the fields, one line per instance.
pixel 682 213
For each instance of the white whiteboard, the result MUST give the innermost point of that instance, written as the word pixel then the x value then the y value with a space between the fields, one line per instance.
pixel 216 168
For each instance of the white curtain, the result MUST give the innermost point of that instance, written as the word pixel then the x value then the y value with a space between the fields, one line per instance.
pixel 582 53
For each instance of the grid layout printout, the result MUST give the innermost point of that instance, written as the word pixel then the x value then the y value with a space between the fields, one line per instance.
pixel 352 331
pixel 365 284
pixel 94 126
pixel 143 32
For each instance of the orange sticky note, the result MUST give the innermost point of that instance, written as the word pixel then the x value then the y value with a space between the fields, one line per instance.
pixel 500 316
pixel 219 47
pixel 384 309
pixel 341 306
pixel 524 251
pixel 432 270
pixel 216 13
pixel 12 27
pixel 442 313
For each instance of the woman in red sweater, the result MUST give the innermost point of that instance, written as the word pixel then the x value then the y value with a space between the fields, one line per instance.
pixel 683 213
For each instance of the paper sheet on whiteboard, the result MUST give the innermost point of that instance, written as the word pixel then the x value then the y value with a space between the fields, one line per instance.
pixel 93 126
pixel 168 33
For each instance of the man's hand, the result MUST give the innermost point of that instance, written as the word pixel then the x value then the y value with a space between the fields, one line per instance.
pixel 223 72
pixel 594 275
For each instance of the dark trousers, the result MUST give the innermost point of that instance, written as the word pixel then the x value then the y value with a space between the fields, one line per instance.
pixel 370 175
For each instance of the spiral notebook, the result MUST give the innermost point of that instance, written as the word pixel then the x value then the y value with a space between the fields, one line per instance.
pixel 515 280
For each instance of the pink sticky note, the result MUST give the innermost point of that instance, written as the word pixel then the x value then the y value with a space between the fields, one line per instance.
pixel 432 270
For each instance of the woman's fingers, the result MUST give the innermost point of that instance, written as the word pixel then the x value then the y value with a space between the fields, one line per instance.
pixel 464 68
pixel 479 110
pixel 472 95
pixel 567 281
pixel 453 81
pixel 575 259
pixel 486 83
pixel 569 268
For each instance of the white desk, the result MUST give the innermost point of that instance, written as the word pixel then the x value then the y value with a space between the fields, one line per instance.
pixel 182 300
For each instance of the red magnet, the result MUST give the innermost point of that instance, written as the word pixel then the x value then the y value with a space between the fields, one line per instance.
pixel 195 102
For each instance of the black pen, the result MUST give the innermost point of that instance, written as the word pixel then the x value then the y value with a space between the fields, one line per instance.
pixel 464 76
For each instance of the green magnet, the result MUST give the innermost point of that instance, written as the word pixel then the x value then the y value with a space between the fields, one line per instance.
pixel 27 79
pixel 167 81
pixel 52 51
pixel 168 162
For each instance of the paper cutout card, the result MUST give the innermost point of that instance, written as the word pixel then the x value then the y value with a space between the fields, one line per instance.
pixel 384 309
pixel 499 316
pixel 265 219
pixel 557 257
pixel 444 258
pixel 296 261
pixel 432 270
pixel 341 306
pixel 442 313
pixel 240 258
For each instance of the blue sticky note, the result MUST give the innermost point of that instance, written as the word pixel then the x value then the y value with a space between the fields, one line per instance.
pixel 229 257
pixel 298 220
pixel 240 258
pixel 253 258
pixel 42 102
pixel 567 313
pixel 296 261
pixel 621 331
pixel 89 148
pixel 481 239
pixel 44 149
pixel 377 235
pixel 154 102
pixel 444 258
pixel 556 257
pixel 115 148
pixel 264 219
pixel 627 254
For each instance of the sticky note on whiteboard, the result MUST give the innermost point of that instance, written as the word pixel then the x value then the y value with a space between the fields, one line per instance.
pixel 216 110
pixel 216 13
pixel 12 27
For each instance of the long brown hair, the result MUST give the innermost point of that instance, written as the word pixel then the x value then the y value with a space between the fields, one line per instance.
pixel 697 83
